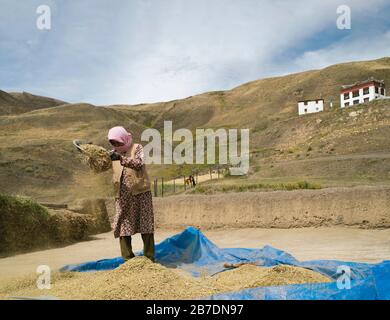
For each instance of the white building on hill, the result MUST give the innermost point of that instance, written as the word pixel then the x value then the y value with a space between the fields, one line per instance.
pixel 362 92
pixel 310 106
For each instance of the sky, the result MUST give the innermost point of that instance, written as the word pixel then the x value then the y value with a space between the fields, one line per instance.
pixel 140 51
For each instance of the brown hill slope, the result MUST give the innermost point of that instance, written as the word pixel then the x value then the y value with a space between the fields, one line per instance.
pixel 9 104
pixel 269 108
pixel 260 103
pixel 16 102
pixel 37 158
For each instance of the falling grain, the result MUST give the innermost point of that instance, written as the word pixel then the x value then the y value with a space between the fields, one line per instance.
pixel 96 157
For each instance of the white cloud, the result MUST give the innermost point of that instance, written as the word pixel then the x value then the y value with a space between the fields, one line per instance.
pixel 145 51
pixel 372 47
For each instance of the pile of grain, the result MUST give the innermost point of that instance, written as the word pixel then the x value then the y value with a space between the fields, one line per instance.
pixel 251 276
pixel 96 157
pixel 139 278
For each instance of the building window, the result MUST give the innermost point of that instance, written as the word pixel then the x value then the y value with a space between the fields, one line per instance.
pixel 355 102
pixel 346 96
pixel 366 100
pixel 305 110
pixel 347 104
pixel 355 94
pixel 366 90
pixel 376 90
pixel 383 91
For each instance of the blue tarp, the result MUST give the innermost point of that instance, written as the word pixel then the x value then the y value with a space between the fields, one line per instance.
pixel 193 252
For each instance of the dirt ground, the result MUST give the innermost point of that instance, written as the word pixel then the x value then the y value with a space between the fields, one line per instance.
pixel 341 243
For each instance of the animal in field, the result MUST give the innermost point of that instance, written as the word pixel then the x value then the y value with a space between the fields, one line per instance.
pixel 188 181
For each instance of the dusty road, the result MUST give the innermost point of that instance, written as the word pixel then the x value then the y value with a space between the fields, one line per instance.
pixel 201 178
pixel 305 244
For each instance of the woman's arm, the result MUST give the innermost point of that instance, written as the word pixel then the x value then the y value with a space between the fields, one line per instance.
pixel 137 162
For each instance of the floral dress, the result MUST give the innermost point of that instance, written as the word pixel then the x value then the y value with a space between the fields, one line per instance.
pixel 134 213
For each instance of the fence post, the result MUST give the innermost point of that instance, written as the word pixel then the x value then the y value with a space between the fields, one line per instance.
pixel 162 187
pixel 155 187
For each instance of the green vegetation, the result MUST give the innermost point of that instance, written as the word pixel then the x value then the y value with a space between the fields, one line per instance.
pixel 210 189
pixel 26 225
pixel 169 188
pixel 179 171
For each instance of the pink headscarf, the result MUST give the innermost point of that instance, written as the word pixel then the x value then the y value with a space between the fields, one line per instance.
pixel 120 134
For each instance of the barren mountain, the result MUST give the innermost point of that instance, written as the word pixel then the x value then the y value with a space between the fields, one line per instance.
pixel 16 102
pixel 336 147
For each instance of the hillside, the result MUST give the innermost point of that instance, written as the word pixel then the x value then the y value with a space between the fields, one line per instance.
pixel 258 104
pixel 336 147
pixel 37 157
pixel 16 102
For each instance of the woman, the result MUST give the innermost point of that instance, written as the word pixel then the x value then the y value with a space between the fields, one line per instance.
pixel 133 200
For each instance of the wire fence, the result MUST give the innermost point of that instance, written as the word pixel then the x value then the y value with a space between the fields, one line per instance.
pixel 168 186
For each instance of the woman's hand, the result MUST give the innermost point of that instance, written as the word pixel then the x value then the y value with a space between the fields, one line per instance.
pixel 115 156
